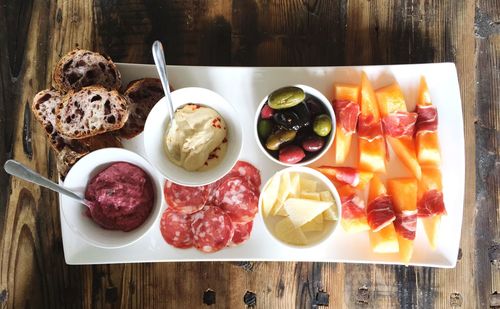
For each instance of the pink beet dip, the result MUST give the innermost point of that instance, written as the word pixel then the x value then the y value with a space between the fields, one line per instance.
pixel 122 197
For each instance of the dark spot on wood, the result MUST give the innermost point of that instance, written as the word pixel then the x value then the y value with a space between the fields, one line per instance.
pixel 209 297
pixel 362 295
pixel 131 287
pixel 245 265
pixel 456 300
pixel 27 147
pixel 17 17
pixel 484 26
pixel 459 256
pixel 495 300
pixel 406 286
pixel 111 295
pixel 281 288
pixel 494 254
pixel 322 299
pixel 250 299
pixel 4 296
pixel 59 15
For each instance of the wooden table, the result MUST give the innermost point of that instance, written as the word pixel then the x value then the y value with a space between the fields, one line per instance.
pixel 35 34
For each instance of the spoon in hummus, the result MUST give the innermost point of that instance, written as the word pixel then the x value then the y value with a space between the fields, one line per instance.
pixel 17 169
pixel 161 67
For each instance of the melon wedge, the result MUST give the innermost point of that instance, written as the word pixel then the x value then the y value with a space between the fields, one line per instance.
pixel 404 196
pixel 431 227
pixel 404 148
pixel 353 218
pixel 427 143
pixel 385 240
pixel 390 99
pixel 431 180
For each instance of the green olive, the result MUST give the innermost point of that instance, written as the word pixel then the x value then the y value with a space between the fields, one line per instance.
pixel 322 125
pixel 279 137
pixel 264 128
pixel 286 97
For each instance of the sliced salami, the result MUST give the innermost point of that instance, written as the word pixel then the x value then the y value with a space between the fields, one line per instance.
pixel 175 228
pixel 236 196
pixel 242 233
pixel 212 229
pixel 248 171
pixel 184 199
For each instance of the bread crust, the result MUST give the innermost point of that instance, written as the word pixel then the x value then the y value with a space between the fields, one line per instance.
pixel 80 68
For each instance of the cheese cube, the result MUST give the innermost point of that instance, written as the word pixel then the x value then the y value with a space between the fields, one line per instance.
pixel 310 196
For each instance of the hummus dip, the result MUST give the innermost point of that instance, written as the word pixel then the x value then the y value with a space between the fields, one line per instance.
pixel 196 139
pixel 122 197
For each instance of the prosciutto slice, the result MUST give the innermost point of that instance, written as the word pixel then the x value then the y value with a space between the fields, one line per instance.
pixel 352 207
pixel 380 212
pixel 368 128
pixel 347 114
pixel 431 204
pixel 427 118
pixel 406 224
pixel 400 124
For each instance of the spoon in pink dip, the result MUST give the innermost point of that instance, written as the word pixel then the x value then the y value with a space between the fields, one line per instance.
pixel 17 169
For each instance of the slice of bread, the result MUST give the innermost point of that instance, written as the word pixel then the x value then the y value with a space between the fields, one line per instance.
pixel 92 110
pixel 80 68
pixel 143 95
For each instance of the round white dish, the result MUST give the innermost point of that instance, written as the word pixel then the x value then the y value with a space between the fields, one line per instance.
pixel 75 213
pixel 328 143
pixel 312 173
pixel 156 124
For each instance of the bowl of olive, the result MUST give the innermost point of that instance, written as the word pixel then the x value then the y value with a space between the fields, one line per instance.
pixel 295 125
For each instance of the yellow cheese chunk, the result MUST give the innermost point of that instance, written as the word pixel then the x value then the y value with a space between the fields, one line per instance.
pixel 310 195
pixel 301 211
pixel 270 194
pixel 294 190
pixel 331 213
pixel 286 231
pixel 308 185
pixel 315 225
pixel 283 192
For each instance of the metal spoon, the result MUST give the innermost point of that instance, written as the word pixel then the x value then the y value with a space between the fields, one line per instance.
pixel 17 169
pixel 161 67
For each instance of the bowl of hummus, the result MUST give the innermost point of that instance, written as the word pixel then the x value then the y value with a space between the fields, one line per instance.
pixel 124 191
pixel 202 143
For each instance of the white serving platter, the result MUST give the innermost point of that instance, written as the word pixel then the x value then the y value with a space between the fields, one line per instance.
pixel 245 87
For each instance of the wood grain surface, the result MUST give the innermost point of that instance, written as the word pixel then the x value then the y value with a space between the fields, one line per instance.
pixel 35 33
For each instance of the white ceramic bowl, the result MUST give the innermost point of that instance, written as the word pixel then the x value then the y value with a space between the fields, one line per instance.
pixel 328 143
pixel 77 179
pixel 156 124
pixel 322 179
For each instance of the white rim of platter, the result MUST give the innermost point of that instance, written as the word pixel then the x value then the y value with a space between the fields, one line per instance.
pixel 245 87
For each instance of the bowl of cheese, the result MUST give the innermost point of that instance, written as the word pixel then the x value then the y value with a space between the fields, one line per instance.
pixel 300 207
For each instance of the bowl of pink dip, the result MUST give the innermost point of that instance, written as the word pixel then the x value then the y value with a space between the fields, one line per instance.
pixel 125 192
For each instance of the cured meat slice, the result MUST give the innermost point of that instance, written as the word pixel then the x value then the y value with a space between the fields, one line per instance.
pixel 347 113
pixel 175 228
pixel 427 120
pixel 353 207
pixel 248 171
pixel 212 229
pixel 242 233
pixel 400 124
pixel 431 204
pixel 368 128
pixel 380 212
pixel 184 199
pixel 406 224
pixel 236 196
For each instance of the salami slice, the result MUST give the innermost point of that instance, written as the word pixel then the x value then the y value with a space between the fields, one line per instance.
pixel 175 228
pixel 237 198
pixel 184 199
pixel 248 171
pixel 212 229
pixel 242 233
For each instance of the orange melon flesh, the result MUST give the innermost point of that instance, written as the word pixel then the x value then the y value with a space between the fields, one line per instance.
pixel 354 225
pixel 390 100
pixel 404 197
pixel 405 151
pixel 342 141
pixel 427 146
pixel 377 188
pixel 364 179
pixel 372 155
pixel 368 102
pixel 385 240
pixel 424 97
pixel 431 180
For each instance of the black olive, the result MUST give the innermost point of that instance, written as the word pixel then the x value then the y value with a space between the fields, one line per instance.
pixel 293 118
pixel 315 107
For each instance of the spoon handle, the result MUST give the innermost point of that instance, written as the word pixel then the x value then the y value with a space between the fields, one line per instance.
pixel 161 67
pixel 15 168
